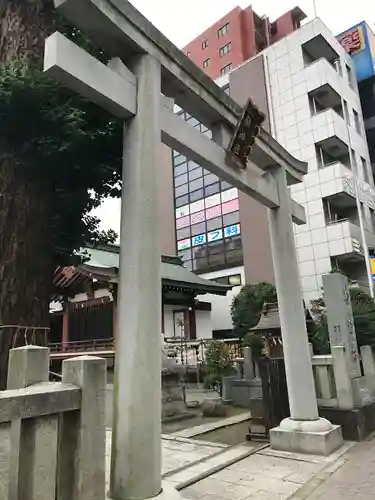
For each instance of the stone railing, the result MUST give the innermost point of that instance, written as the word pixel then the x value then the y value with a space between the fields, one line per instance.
pixel 324 378
pixel 239 389
pixel 52 435
pixel 334 385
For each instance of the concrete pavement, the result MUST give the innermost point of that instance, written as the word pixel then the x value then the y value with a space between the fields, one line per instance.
pixel 354 479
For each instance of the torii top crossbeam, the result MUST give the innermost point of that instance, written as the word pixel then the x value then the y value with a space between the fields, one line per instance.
pixel 120 29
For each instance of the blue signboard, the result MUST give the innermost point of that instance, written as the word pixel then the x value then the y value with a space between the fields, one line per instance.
pixel 232 231
pixel 359 43
pixel 199 240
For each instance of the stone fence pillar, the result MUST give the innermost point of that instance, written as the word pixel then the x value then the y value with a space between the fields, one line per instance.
pixel 368 362
pixel 344 389
pixel 84 431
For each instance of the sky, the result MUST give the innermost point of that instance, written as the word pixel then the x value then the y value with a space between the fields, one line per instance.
pixel 182 20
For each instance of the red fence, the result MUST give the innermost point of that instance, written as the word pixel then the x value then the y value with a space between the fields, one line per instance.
pixel 83 346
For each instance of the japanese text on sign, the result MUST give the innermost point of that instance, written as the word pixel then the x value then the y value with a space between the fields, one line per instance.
pixel 353 40
pixel 232 231
pixel 247 130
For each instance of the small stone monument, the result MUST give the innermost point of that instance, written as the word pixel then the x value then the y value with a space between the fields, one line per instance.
pixel 349 380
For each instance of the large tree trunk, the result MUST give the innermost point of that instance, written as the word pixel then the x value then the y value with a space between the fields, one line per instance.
pixel 25 25
pixel 26 264
pixel 25 259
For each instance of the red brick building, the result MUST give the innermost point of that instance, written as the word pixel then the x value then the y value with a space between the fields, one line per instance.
pixel 237 37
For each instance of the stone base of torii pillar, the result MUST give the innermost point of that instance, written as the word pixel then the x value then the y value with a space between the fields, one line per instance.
pixel 167 493
pixel 316 437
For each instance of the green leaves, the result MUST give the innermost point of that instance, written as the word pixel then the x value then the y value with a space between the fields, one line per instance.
pixel 72 146
pixel 247 306
pixel 364 321
pixel 217 364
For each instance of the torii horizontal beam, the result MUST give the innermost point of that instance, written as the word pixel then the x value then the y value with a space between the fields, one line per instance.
pixel 114 88
pixel 119 28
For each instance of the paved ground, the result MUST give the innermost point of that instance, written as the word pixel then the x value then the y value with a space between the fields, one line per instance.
pixel 194 397
pixel 354 480
pixel 265 475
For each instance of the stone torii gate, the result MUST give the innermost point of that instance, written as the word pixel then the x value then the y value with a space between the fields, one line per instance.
pixel 145 68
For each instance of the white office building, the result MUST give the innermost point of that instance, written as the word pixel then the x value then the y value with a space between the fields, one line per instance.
pixel 315 113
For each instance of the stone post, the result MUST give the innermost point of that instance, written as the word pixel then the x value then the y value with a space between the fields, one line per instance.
pixel 83 433
pixel 368 362
pixel 340 319
pixel 342 333
pixel 136 439
pixel 65 326
pixel 345 397
pixel 301 390
pixel 33 442
pixel 249 372
pixel 27 366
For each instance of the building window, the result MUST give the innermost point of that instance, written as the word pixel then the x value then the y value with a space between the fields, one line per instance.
pixel 323 157
pixel 180 169
pixel 372 215
pixel 196 195
pixel 353 161
pixel 234 280
pixel 207 220
pixel 225 50
pixel 315 106
pixel 179 159
pixel 206 63
pixel 365 170
pixel 204 44
pixel 181 179
pixel 223 30
pixel 357 122
pixel 350 75
pixel 226 69
pixel 195 174
pixel 212 189
pixel 182 200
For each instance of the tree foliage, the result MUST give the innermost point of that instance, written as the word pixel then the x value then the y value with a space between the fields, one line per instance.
pixel 69 144
pixel 247 306
pixel 364 321
pixel 218 364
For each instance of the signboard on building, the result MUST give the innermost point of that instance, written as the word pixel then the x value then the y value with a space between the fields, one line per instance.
pixel 359 42
pixel 372 262
pixel 244 136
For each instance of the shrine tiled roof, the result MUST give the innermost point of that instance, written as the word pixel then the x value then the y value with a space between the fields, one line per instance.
pixel 102 266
